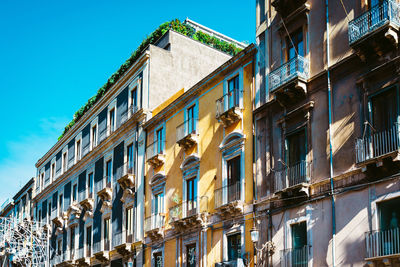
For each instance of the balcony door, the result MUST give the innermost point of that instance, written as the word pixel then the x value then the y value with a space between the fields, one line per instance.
pixel 130 159
pixel 191 196
pixel 234 246
pixel 299 253
pixel 158 208
pixel 233 92
pixel 88 241
pixel 108 172
pixel 191 255
pixel 106 234
pixel 295 158
pixel 160 141
pixel 233 178
pixel 158 259
pixel 295 46
pixel 191 126
pixel 387 237
pixel 383 109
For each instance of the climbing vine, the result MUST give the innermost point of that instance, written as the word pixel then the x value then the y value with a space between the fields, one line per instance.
pixel 174 25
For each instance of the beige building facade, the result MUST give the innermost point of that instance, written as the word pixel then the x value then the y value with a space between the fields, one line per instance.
pixel 326 129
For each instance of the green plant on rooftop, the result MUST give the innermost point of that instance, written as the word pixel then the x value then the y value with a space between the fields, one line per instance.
pixel 174 25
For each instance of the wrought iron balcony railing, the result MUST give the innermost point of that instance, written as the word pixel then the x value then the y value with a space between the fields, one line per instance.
pixel 293 175
pixel 186 128
pixel 297 67
pixel 96 247
pixel 296 257
pixel 189 208
pixel 377 144
pixel 382 243
pixel 155 221
pixel 376 17
pixel 227 194
pixel 228 101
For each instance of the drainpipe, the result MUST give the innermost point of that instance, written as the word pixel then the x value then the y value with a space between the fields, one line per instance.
pixel 330 132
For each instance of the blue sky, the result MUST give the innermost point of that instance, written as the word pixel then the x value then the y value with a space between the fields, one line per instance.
pixel 55 55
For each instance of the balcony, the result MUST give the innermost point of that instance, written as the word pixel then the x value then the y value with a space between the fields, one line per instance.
pixel 288 83
pixel 292 180
pixel 286 7
pixel 186 134
pixel 189 214
pixel 82 260
pixel 383 246
pixel 87 200
pixel 233 263
pixel 105 195
pixel 228 200
pixel 296 257
pixel 122 243
pixel 378 146
pixel 57 218
pixel 154 226
pixel 376 30
pixel 155 154
pixel 65 259
pixel 228 108
pixel 127 180
pixel 74 211
pixel 102 255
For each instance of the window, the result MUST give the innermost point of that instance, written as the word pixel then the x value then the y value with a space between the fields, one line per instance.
pixel 53 170
pixel 158 259
pixel 233 175
pixel 107 233
pixel 130 158
pixel 94 136
pixel 64 162
pixel 191 123
pixel 160 141
pixel 233 92
pixel 49 211
pixel 134 99
pixel 90 184
pixel 191 193
pixel 129 225
pixel 42 181
pixel 40 216
pixel 191 255
pixel 88 241
pixel 295 45
pixel 74 192
pixel 78 150
pixel 299 253
pixel 60 207
pixel 72 242
pixel 234 246
pixel 112 120
pixel 158 203
pixel 59 246
pixel 108 172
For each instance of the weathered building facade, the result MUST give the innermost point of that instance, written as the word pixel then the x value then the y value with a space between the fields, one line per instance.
pixel 89 188
pixel 199 178
pixel 326 133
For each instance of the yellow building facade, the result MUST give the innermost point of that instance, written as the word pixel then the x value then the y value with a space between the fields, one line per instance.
pixel 199 174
